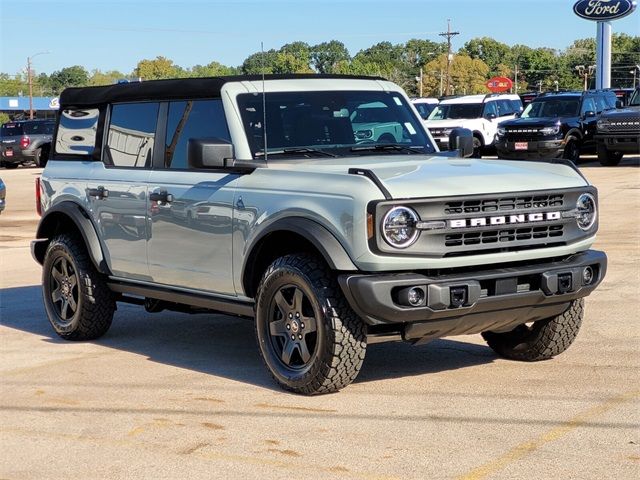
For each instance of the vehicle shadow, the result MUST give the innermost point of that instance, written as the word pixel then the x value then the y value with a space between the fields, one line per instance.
pixel 225 346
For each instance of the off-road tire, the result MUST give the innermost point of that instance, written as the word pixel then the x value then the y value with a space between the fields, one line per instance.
pixel 542 340
pixel 11 166
pixel 340 344
pixel 42 156
pixel 572 150
pixel 607 158
pixel 477 147
pixel 95 304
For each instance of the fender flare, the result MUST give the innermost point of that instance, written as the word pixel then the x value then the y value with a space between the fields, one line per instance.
pixel 47 228
pixel 324 241
pixel 574 133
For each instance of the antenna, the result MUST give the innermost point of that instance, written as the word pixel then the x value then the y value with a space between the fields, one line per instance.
pixel 264 104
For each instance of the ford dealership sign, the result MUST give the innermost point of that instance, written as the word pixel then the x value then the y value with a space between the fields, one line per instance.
pixel 603 10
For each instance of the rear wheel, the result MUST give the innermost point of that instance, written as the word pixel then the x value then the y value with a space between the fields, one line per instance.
pixel 78 302
pixel 608 158
pixel 541 340
pixel 310 339
pixel 41 156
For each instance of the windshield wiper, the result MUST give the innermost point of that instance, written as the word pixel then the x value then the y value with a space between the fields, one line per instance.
pixel 388 146
pixel 294 151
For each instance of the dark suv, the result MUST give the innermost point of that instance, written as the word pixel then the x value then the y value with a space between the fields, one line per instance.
pixel 25 141
pixel 558 124
pixel 619 132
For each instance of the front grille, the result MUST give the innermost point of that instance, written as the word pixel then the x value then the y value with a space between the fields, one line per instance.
pixel 523 134
pixel 503 235
pixel 630 124
pixel 505 204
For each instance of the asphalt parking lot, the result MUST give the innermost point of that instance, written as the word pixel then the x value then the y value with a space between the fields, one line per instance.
pixel 166 396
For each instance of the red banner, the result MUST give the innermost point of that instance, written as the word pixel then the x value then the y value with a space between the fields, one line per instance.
pixel 499 84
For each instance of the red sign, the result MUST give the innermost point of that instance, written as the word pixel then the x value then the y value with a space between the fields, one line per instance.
pixel 499 84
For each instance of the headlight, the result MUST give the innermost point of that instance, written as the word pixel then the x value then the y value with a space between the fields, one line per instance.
pixel 502 132
pixel 363 134
pixel 587 211
pixel 603 124
pixel 399 227
pixel 550 130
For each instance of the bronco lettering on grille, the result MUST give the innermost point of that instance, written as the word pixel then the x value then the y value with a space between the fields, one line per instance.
pixel 504 220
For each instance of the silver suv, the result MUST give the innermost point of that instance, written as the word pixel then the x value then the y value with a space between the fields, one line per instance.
pixel 262 198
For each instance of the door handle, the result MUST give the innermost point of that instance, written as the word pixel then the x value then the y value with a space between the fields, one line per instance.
pixel 161 197
pixel 100 193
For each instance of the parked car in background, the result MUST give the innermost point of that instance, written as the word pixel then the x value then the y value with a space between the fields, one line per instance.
pixel 3 194
pixel 555 124
pixel 618 132
pixel 25 141
pixel 425 105
pixel 479 113
pixel 527 97
pixel 624 95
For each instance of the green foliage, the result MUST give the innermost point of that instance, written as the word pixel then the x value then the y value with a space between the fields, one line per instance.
pixel 75 76
pixel 325 57
pixel 157 69
pixel 4 118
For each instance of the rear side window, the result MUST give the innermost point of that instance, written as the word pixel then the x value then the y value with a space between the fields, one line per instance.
pixel 192 119
pixel 38 128
pixel 77 131
pixel 131 136
pixel 11 130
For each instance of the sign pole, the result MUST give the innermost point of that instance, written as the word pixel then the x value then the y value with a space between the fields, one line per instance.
pixel 603 55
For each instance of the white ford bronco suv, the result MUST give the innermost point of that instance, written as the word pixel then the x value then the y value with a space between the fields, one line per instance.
pixel 262 198
pixel 479 113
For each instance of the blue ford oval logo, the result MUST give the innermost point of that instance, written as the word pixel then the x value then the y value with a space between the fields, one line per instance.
pixel 603 10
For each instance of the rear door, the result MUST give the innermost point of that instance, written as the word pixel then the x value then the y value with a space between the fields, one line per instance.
pixel 118 188
pixel 588 122
pixel 191 211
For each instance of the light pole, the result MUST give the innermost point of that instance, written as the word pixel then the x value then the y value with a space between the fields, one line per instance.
pixel 30 81
pixel 586 72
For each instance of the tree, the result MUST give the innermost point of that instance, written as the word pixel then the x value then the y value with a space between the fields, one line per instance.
pixel 468 75
pixel 259 61
pixel 326 56
pixel 490 51
pixel 12 87
pixel 213 69
pixel 158 68
pixel 75 76
pixel 417 53
pixel 98 78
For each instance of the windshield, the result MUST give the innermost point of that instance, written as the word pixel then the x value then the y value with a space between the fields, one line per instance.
pixel 332 122
pixel 552 108
pixel 635 99
pixel 456 110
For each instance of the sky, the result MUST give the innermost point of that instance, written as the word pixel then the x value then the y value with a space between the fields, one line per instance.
pixel 116 34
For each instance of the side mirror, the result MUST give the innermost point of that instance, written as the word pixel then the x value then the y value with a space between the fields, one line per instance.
pixel 619 104
pixel 589 114
pixel 490 116
pixel 461 139
pixel 518 114
pixel 209 152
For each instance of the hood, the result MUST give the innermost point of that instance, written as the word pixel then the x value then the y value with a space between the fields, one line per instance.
pixel 434 176
pixel 626 112
pixel 532 122
pixel 452 123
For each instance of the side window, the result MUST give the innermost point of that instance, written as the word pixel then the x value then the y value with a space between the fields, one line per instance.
pixel 490 107
pixel 505 108
pixel 77 131
pixel 588 105
pixel 192 119
pixel 131 135
pixel 516 106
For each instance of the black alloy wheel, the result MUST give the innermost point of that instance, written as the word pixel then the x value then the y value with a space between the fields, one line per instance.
pixel 293 328
pixel 572 151
pixel 63 288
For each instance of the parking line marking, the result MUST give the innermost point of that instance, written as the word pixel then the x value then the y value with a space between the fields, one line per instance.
pixel 519 451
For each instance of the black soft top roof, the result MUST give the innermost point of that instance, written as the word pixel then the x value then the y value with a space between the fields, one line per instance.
pixel 178 88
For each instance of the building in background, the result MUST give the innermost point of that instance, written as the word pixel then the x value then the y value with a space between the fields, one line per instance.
pixel 18 107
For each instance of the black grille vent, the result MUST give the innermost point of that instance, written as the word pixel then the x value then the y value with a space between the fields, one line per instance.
pixel 502 236
pixel 504 204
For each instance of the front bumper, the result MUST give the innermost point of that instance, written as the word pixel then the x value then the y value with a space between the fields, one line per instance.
pixel 628 142
pixel 535 149
pixel 493 299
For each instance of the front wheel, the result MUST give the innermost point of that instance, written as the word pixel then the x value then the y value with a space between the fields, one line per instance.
pixel 310 339
pixel 477 148
pixel 541 340
pixel 608 158
pixel 572 150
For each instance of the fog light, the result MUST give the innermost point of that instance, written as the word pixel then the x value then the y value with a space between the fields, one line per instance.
pixel 587 276
pixel 415 297
pixel 412 296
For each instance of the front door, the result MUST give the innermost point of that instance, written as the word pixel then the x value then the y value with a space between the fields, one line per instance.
pixel 191 211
